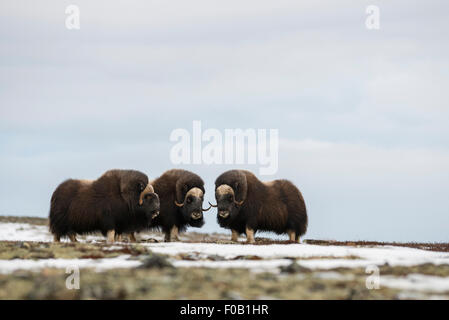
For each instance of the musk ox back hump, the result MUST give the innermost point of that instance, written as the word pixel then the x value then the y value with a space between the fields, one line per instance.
pixel 293 199
pixel 61 201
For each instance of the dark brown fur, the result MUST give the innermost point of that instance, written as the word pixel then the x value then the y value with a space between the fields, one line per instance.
pixel 276 206
pixel 173 186
pixel 109 203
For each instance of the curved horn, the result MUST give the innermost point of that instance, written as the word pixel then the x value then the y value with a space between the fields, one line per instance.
pixel 197 192
pixel 212 205
pixel 241 188
pixel 226 189
pixel 148 189
pixel 179 204
pixel 207 208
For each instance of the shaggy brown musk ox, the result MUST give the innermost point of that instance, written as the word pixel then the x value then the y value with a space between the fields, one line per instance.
pixel 181 194
pixel 119 201
pixel 246 205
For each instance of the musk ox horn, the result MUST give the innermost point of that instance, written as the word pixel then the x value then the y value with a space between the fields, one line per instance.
pixel 224 189
pixel 213 205
pixel 148 189
pixel 207 208
pixel 179 204
pixel 196 192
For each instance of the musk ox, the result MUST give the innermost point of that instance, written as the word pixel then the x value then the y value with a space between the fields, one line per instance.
pixel 247 205
pixel 120 201
pixel 181 195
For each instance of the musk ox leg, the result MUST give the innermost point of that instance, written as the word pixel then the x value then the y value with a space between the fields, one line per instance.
pixel 250 235
pixel 110 236
pixel 172 235
pixel 298 239
pixel 56 238
pixel 235 236
pixel 118 237
pixel 72 237
pixel 292 235
pixel 132 237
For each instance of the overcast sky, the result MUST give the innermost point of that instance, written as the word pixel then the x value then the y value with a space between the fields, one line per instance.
pixel 362 114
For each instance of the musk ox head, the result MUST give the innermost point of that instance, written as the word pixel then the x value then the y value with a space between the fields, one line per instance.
pixel 189 199
pixel 137 192
pixel 150 205
pixel 230 192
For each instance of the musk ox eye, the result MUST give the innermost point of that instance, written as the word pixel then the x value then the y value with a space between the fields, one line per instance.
pixel 230 197
pixel 189 199
pixel 141 187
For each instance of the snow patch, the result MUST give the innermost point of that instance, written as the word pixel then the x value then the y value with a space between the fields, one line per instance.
pixel 9 266
pixel 254 265
pixel 24 232
pixel 417 282
pixel 321 257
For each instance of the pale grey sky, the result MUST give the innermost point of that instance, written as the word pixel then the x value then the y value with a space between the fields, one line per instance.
pixel 362 115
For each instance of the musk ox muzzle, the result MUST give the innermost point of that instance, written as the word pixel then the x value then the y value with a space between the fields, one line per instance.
pixel 223 214
pixel 196 215
pixel 154 213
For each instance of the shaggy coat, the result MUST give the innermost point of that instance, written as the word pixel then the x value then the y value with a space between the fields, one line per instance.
pixel 119 201
pixel 247 205
pixel 181 195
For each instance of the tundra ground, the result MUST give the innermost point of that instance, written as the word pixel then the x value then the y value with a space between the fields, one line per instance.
pixel 209 266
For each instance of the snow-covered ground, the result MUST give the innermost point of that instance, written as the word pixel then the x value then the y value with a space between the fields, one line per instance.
pixel 8 266
pixel 254 257
pixel 24 232
pixel 270 256
pixel 417 282
pixel 310 256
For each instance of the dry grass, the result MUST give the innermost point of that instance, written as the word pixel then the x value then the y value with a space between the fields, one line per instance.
pixel 430 246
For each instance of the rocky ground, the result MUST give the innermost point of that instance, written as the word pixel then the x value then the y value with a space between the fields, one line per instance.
pixel 209 266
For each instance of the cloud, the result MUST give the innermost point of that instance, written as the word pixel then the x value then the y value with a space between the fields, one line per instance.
pixel 361 113
pixel 360 191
